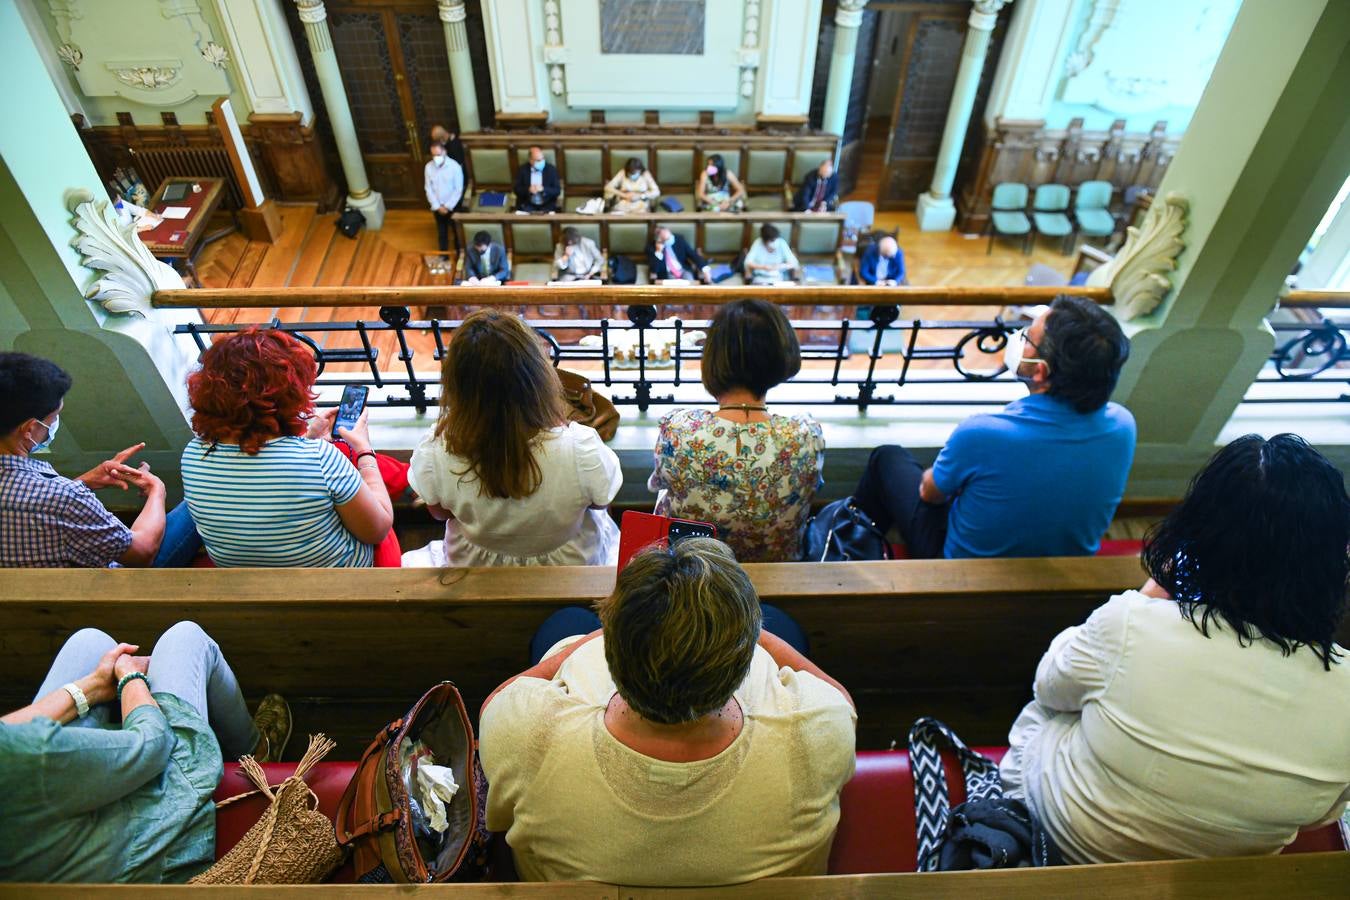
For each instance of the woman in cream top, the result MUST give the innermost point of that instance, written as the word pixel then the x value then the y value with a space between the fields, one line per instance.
pixel 632 190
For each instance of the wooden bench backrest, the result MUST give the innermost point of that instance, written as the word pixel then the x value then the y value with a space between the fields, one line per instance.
pixel 586 161
pixel 956 639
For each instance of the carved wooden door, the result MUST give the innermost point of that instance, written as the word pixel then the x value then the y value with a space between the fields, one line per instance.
pixel 397 77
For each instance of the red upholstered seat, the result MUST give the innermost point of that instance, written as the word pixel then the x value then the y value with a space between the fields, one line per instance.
pixel 876 822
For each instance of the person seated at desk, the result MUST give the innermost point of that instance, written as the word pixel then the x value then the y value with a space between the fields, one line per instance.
pixel 882 263
pixel 577 258
pixel 670 256
pixel 819 191
pixel 485 260
pixel 633 190
pixel 718 189
pixel 538 186
pixel 769 259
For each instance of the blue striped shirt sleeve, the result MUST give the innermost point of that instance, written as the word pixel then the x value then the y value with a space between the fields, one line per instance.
pixel 344 481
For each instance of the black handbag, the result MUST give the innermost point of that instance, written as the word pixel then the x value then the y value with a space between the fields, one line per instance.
pixel 350 222
pixel 988 831
pixel 841 532
pixel 622 270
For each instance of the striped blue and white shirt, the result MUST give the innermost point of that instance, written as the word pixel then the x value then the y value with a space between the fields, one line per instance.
pixel 275 508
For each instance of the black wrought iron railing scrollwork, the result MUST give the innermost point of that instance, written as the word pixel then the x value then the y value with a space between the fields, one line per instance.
pixel 638 358
pixel 1307 352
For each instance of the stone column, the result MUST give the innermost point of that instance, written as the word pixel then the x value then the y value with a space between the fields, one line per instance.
pixel 360 196
pixel 936 211
pixel 461 67
pixel 847 18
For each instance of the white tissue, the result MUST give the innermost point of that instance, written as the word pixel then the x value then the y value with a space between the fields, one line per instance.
pixel 435 788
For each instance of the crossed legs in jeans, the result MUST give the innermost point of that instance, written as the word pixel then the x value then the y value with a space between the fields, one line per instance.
pixel 186 662
pixel 889 493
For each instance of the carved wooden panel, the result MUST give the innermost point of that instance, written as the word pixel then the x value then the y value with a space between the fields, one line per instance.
pixel 428 70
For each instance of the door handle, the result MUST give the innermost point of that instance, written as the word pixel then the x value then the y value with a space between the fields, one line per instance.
pixel 414 143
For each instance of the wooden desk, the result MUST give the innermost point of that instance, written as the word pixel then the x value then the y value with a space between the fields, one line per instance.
pixel 179 240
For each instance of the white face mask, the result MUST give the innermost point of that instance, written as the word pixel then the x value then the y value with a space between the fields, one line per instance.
pixel 39 446
pixel 439 160
pixel 1012 355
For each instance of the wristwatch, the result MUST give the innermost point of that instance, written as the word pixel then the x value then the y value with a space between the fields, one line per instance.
pixel 81 701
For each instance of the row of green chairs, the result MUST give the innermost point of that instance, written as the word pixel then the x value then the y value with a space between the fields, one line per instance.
pixel 1049 213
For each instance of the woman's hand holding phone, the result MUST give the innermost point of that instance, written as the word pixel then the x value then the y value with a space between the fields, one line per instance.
pixel 358 436
pixel 320 425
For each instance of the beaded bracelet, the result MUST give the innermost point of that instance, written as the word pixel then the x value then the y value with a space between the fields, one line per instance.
pixel 370 453
pixel 130 677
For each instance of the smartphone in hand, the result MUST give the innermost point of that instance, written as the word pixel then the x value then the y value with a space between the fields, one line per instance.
pixel 639 530
pixel 353 403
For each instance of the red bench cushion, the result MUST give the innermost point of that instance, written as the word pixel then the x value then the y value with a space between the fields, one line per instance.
pixel 876 822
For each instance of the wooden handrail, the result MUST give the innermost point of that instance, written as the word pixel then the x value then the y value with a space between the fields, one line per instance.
pixel 617 295
pixel 1305 299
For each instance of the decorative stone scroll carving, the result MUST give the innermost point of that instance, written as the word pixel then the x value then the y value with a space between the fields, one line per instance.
pixel 150 78
pixel 1136 274
pixel 215 54
pixel 133 273
pixel 748 58
pixel 71 55
pixel 555 56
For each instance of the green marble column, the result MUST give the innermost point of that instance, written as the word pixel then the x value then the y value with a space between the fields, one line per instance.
pixel 461 67
pixel 936 211
pixel 360 196
pixel 847 18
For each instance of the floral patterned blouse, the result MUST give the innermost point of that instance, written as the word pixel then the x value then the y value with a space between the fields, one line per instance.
pixel 755 480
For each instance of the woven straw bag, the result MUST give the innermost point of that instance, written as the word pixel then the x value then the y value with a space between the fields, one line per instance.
pixel 293 843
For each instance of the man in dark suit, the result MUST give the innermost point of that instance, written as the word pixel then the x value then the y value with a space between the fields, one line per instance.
pixel 538 185
pixel 670 256
pixel 820 190
pixel 485 259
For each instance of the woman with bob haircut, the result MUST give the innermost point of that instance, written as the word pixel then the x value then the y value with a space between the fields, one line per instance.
pixel 1204 715
pixel 751 473
pixel 266 484
pixel 708 751
pixel 515 483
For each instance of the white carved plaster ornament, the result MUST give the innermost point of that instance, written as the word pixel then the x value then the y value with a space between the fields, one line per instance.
pixel 984 14
pixel 554 54
pixel 150 78
pixel 311 12
pixel 133 273
pixel 451 11
pixel 215 54
pixel 748 56
pixel 71 55
pixel 1136 274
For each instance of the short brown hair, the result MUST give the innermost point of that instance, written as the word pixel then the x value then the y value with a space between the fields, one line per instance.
pixel 680 630
pixel 751 345
pixel 498 392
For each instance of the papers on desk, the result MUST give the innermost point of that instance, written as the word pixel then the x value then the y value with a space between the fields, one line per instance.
pixel 479 282
pixel 585 282
pixel 147 222
pixel 176 212
pixel 674 282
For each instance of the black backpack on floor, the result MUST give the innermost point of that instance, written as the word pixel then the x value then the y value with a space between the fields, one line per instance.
pixel 350 222
pixel 622 270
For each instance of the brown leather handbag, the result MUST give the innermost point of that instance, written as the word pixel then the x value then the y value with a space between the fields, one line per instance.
pixel 379 818
pixel 584 405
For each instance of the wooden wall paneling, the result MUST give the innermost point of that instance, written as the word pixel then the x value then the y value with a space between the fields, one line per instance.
pixel 293 156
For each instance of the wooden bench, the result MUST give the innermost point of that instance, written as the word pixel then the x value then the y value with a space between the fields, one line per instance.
pixel 767 164
pixel 1313 876
pixel 351 649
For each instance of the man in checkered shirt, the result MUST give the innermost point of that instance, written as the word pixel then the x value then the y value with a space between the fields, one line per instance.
pixel 48 521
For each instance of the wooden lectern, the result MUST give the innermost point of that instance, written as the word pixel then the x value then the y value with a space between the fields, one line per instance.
pixel 258 217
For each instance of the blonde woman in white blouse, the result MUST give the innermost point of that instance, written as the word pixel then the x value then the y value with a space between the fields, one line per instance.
pixel 1206 714
pixel 632 190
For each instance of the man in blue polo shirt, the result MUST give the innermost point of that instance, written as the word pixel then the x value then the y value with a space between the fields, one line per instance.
pixel 1044 476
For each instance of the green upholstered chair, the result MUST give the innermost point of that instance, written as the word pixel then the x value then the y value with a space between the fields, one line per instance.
pixel 491 171
pixel 592 231
pixel 628 238
pixel 1008 216
pixel 818 238
pixel 619 155
pixel 1049 213
pixel 686 230
pixel 533 272
pixel 675 171
pixel 765 202
pixel 723 238
pixel 583 167
pixel 1091 209
pixel 531 238
pixel 804 161
pixel 766 168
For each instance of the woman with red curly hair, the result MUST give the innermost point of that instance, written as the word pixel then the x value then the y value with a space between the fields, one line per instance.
pixel 265 485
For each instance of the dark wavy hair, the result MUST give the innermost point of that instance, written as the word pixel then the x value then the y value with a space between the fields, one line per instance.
pixel 1259 544
pixel 1084 348
pixel 252 387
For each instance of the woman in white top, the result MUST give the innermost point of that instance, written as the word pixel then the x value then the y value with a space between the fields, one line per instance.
pixel 752 474
pixel 769 259
pixel 679 745
pixel 514 481
pixel 633 190
pixel 1207 714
